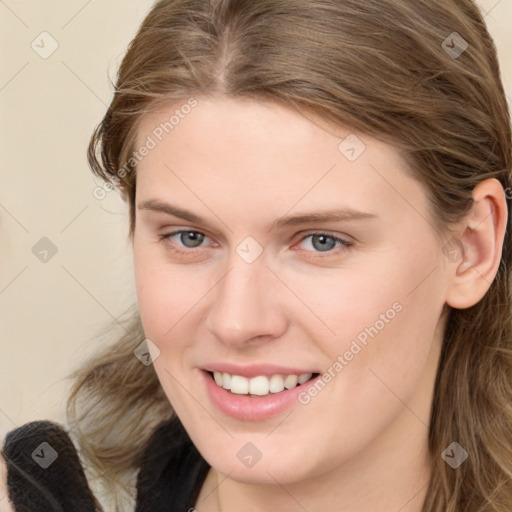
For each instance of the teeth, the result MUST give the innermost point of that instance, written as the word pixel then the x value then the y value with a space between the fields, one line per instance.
pixel 261 385
pixel 276 384
pixel 258 385
pixel 239 385
pixel 304 377
pixel 226 381
pixel 290 381
pixel 218 378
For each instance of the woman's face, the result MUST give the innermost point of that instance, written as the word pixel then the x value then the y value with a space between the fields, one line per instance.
pixel 293 248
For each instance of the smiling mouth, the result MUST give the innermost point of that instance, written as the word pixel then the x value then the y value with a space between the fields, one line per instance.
pixel 261 385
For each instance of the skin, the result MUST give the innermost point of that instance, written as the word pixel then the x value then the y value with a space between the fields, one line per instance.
pixel 361 443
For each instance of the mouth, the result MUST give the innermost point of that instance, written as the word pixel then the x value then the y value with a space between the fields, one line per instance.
pixel 262 393
pixel 260 385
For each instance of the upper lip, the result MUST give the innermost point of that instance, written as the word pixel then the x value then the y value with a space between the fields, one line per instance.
pixel 254 370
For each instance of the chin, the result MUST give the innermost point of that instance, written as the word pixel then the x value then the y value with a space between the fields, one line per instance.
pixel 274 464
pixel 260 473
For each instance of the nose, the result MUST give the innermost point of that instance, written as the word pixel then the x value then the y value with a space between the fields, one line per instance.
pixel 245 307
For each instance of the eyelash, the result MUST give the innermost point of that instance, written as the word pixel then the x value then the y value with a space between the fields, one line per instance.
pixel 344 244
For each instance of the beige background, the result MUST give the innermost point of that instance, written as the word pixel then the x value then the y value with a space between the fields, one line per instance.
pixel 48 109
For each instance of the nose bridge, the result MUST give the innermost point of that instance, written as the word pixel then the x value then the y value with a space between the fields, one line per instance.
pixel 243 306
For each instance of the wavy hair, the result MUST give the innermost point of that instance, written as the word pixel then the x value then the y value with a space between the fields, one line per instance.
pixel 390 69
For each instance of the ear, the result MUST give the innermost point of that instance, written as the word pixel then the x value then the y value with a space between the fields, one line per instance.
pixel 480 242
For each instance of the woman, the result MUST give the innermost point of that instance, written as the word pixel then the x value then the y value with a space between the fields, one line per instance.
pixel 319 198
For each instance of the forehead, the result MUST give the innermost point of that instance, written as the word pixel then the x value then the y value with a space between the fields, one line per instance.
pixel 246 150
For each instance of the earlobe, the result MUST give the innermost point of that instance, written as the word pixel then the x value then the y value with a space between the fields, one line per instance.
pixel 481 239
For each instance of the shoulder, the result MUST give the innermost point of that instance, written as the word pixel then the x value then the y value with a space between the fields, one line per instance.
pixel 43 468
pixel 5 503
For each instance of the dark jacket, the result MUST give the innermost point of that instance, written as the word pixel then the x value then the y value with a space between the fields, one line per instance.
pixel 44 473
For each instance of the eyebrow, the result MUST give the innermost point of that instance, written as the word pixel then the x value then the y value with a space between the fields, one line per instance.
pixel 159 206
pixel 335 215
pixel 323 216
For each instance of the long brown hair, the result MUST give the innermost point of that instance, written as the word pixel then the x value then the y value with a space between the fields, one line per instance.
pixel 423 76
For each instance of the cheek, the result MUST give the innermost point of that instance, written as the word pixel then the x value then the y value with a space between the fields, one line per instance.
pixel 161 295
pixel 339 305
pixel 170 298
pixel 166 304
pixel 381 317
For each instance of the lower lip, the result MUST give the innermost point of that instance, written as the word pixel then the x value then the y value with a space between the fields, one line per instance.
pixel 249 408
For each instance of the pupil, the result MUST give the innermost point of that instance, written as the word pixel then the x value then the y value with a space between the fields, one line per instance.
pixel 322 242
pixel 191 238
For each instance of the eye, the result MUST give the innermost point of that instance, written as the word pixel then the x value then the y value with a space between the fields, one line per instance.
pixel 188 239
pixel 323 242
